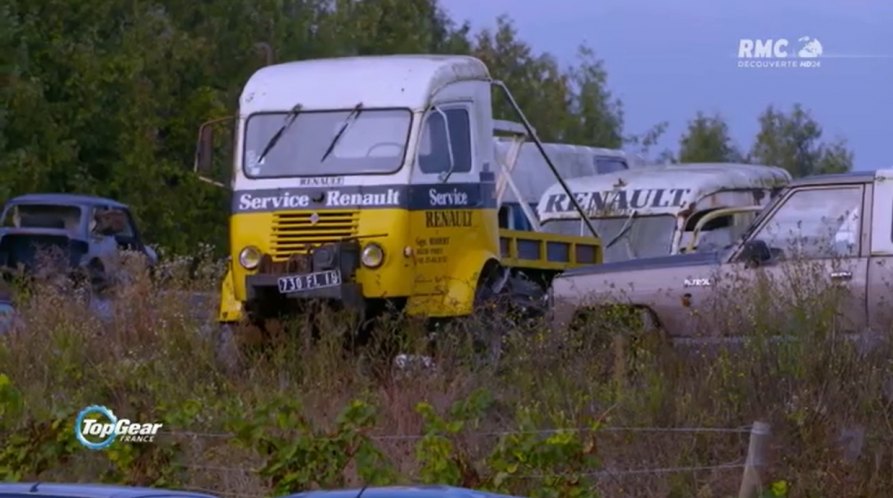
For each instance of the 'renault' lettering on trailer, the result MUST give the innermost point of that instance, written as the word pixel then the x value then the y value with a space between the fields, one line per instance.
pixel 618 199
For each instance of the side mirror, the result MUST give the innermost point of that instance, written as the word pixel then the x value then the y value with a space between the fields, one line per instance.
pixel 213 160
pixel 756 252
pixel 204 154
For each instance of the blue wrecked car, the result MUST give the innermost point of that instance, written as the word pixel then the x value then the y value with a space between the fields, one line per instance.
pixel 78 490
pixel 85 232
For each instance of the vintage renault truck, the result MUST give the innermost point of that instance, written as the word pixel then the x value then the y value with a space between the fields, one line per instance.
pixel 835 229
pixel 376 182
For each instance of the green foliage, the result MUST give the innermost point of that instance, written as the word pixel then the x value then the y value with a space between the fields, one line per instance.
pixel 144 464
pixel 35 447
pixel 778 489
pixel 707 140
pixel 10 401
pixel 560 461
pixel 298 457
pixel 441 462
pixel 524 459
pixel 791 141
pixel 30 446
pixel 107 97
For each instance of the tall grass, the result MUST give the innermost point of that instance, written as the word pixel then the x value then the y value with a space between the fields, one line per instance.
pixel 151 356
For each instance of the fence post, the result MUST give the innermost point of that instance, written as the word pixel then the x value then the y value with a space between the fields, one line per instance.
pixel 756 457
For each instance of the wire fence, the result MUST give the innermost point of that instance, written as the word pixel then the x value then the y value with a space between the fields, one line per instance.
pixel 541 432
pixel 608 473
pixel 739 464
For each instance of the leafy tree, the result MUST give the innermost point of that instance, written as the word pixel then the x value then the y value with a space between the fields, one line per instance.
pixel 707 140
pixel 106 96
pixel 793 142
pixel 597 117
pixel 535 81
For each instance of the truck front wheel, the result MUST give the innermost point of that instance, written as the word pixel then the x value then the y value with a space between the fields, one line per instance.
pixel 504 301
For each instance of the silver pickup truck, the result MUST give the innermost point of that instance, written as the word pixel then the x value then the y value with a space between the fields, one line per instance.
pixel 837 228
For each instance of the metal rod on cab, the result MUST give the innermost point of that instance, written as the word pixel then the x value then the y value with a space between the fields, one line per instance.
pixel 532 133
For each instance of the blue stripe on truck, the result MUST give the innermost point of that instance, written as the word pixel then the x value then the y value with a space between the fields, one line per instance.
pixel 413 197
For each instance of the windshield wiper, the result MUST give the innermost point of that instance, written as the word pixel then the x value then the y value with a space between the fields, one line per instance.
pixel 292 115
pixel 354 114
pixel 625 228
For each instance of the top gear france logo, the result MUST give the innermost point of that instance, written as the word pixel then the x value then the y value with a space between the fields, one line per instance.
pixel 97 428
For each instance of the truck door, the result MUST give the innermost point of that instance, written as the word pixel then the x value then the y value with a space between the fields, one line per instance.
pixel 453 203
pixel 818 243
pixel 880 262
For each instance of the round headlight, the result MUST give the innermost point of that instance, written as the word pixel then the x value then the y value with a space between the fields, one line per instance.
pixel 373 255
pixel 249 258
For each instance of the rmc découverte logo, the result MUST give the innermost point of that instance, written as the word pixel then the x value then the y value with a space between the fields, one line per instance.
pixel 776 53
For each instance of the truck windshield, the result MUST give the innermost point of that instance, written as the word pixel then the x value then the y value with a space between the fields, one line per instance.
pixel 374 142
pixel 642 237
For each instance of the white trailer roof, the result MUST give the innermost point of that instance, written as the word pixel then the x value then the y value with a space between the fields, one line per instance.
pixel 659 189
pixel 532 175
pixel 340 83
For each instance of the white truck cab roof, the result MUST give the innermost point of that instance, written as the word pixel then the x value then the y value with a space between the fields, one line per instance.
pixel 659 189
pixel 338 83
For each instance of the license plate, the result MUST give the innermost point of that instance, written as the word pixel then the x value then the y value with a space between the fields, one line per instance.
pixel 309 281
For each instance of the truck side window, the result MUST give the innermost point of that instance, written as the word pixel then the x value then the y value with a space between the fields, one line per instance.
pixel 434 154
pixel 817 224
pixel 609 165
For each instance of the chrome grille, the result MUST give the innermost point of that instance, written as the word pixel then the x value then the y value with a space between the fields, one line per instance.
pixel 298 232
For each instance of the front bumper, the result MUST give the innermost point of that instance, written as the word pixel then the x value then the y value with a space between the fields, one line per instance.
pixel 263 286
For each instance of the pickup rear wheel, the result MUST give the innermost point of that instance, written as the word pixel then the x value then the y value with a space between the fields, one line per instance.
pixel 598 325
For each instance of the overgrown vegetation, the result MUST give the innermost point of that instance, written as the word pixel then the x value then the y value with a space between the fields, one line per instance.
pixel 553 419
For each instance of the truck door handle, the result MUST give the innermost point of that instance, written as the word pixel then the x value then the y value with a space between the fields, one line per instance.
pixel 841 275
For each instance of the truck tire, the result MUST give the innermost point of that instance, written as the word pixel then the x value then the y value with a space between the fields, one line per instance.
pixel 504 302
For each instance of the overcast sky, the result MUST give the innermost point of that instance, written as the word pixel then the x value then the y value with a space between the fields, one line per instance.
pixel 668 59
